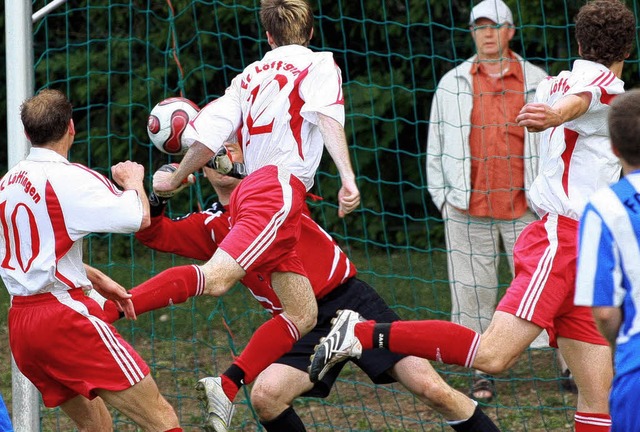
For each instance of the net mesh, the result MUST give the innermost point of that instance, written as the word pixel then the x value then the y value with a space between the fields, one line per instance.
pixel 116 60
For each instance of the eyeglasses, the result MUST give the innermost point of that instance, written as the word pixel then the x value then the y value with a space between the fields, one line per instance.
pixel 489 26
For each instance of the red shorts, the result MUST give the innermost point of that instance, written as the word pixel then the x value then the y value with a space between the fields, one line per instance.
pixel 542 291
pixel 62 345
pixel 265 221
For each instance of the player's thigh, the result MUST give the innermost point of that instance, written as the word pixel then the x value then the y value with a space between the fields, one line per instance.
pixel 88 415
pixel 143 404
pixel 279 385
pixel 494 354
pixel 221 273
pixel 296 295
pixel 592 368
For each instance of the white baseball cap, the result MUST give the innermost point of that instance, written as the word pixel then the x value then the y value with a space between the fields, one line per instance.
pixel 495 10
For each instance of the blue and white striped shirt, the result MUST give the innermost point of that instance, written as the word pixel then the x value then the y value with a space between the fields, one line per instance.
pixel 609 262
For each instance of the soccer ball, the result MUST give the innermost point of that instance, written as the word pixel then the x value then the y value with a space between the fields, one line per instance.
pixel 167 121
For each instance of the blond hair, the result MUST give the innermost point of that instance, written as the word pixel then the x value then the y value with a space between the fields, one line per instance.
pixel 287 21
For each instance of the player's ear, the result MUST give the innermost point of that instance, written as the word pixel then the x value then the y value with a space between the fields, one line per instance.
pixel 72 128
pixel 270 39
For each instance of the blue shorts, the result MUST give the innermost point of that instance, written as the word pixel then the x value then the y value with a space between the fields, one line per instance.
pixel 356 295
pixel 623 403
pixel 5 421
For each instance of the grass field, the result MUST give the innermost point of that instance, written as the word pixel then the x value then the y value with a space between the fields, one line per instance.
pixel 199 338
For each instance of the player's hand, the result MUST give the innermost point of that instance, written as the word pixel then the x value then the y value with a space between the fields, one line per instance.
pixel 348 198
pixel 224 164
pixel 112 290
pixel 128 174
pixel 537 117
pixel 162 181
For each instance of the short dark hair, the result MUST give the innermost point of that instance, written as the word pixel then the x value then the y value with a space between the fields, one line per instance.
pixel 605 30
pixel 287 21
pixel 624 126
pixel 46 116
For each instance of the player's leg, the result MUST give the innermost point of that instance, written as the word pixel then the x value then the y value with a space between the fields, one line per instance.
pixel 88 415
pixel 272 396
pixel 494 356
pixel 143 404
pixel 592 368
pixel 462 414
pixel 276 337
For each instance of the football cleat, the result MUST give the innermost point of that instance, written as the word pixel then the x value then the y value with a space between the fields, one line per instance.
pixel 220 409
pixel 339 345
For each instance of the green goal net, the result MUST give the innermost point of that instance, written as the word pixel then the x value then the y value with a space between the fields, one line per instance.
pixel 117 59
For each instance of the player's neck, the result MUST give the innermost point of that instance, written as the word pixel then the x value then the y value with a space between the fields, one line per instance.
pixel 616 68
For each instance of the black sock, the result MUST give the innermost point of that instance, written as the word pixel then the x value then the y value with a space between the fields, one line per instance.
pixel 287 421
pixel 235 374
pixel 478 422
pixel 381 335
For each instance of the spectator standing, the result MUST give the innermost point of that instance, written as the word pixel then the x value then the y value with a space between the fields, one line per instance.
pixel 609 258
pixel 480 164
pixel 575 160
pixel 57 335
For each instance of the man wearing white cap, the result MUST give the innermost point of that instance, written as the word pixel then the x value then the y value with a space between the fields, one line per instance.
pixel 480 165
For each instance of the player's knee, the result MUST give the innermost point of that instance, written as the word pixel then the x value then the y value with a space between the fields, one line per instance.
pixel 265 400
pixel 496 363
pixel 437 395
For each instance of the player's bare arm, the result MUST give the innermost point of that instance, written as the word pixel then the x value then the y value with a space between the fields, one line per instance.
pixel 608 320
pixel 195 158
pixel 130 176
pixel 537 117
pixel 336 143
pixel 111 290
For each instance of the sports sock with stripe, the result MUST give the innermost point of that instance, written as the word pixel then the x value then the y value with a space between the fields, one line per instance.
pixel 172 286
pixel 435 340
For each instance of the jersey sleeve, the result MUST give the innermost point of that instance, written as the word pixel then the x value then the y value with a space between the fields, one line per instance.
pixel 321 91
pixel 598 280
pixel 594 121
pixel 94 204
pixel 195 235
pixel 217 121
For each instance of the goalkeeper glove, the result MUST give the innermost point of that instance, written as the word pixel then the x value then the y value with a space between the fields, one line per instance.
pixel 156 204
pixel 170 168
pixel 223 163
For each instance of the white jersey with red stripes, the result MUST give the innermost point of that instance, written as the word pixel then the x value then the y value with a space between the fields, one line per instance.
pixel 47 205
pixel 274 104
pixel 576 157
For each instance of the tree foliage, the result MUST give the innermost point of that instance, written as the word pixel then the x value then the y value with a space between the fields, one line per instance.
pixel 115 60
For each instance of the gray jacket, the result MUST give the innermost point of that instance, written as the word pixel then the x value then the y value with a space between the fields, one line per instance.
pixel 448 152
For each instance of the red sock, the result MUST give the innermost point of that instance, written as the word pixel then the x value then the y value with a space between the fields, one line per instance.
pixel 172 286
pixel 175 430
pixel 592 422
pixel 441 341
pixel 273 339
pixel 229 387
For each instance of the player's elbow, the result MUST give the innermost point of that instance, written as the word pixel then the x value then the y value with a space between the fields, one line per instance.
pixel 146 222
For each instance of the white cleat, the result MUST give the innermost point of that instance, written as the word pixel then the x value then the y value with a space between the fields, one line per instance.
pixel 219 408
pixel 341 344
